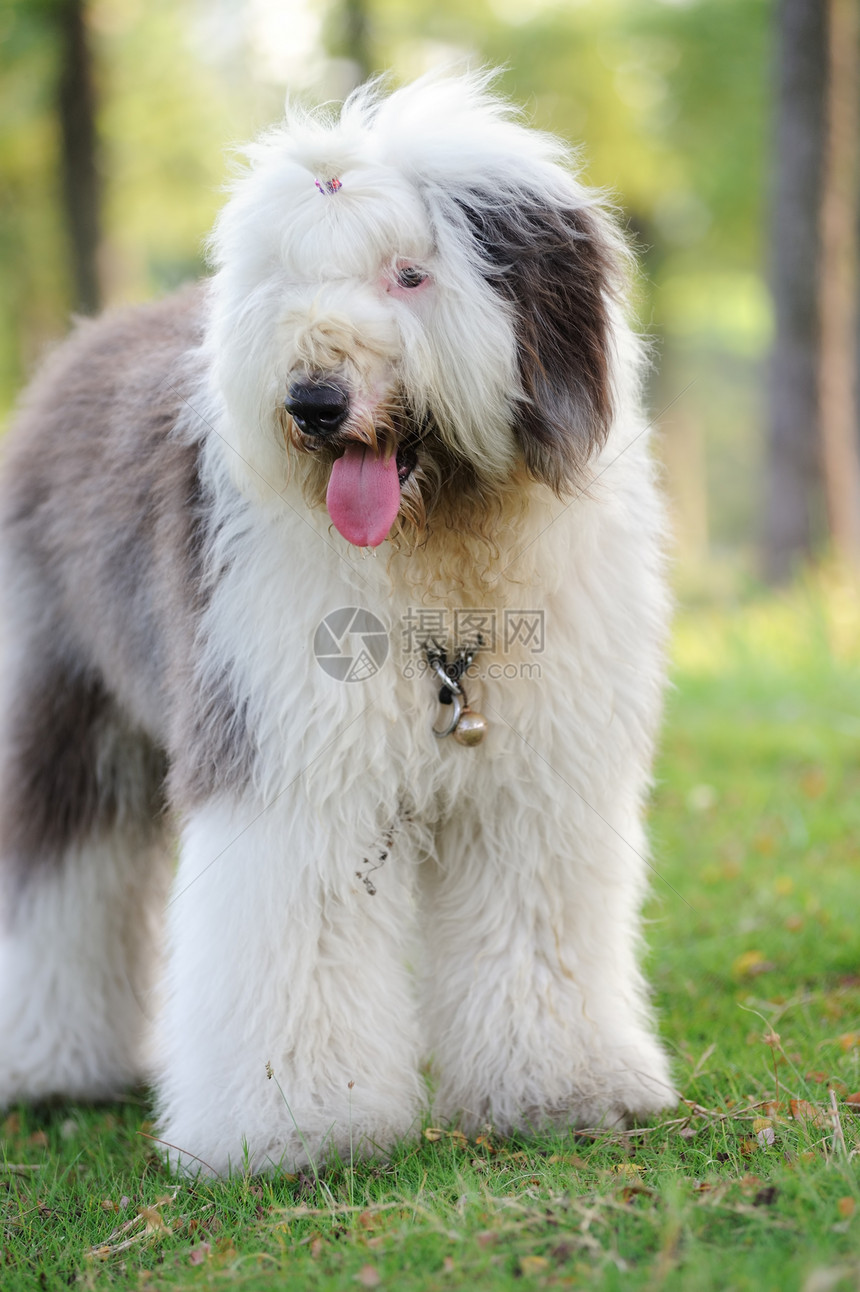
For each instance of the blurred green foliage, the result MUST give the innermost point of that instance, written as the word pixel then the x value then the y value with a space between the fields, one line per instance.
pixel 669 97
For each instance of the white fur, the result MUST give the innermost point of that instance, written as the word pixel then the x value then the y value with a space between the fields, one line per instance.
pixel 501 940
pixel 528 857
pixel 303 974
pixel 79 954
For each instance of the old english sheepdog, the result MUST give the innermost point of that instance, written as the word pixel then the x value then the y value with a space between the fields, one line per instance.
pixel 345 569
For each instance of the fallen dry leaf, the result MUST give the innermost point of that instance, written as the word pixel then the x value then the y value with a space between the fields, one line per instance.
pixel 849 1040
pixel 631 1191
pixel 434 1133
pixel 803 1110
pixel 846 1207
pixel 199 1254
pixel 750 963
pixel 533 1264
pixel 155 1222
pixel 225 1252
pixel 853 1102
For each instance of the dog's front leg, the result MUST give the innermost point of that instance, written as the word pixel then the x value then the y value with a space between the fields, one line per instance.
pixel 288 1030
pixel 536 1007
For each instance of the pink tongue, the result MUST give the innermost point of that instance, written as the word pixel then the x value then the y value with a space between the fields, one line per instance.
pixel 363 495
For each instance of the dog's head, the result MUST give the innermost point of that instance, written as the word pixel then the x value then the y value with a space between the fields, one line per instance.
pixel 417 303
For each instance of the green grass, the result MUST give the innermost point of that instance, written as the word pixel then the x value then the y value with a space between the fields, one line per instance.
pixel 755 959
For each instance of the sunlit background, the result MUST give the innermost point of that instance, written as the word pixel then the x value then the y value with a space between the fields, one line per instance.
pixel 671 101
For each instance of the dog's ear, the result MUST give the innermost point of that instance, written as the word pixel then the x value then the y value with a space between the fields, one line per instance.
pixel 558 270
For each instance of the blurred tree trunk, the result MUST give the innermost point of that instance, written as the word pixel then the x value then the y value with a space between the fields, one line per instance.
pixel 357 36
pixel 79 164
pixel 839 455
pixel 348 39
pixel 793 474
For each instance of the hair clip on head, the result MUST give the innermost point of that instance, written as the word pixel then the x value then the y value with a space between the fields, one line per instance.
pixel 329 186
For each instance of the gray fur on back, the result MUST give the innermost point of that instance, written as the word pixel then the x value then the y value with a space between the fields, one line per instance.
pixel 102 522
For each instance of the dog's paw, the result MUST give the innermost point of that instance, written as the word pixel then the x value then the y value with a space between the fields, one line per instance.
pixel 633 1085
pixel 275 1153
pixel 218 1157
pixel 636 1087
pixel 624 1103
pixel 61 1072
pixel 271 1141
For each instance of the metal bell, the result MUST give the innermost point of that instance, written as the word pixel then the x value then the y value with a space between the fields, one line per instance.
pixel 471 728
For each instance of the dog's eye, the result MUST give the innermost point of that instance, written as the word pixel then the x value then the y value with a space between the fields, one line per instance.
pixel 411 276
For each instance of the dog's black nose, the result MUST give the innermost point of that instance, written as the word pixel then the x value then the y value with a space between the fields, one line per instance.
pixel 317 408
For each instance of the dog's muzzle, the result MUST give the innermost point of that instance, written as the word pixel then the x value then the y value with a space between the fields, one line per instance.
pixel 370 461
pixel 317 407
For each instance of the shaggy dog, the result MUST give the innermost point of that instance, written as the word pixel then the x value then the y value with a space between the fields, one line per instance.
pixel 413 344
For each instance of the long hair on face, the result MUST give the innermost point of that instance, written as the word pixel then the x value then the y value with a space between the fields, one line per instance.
pixel 509 385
